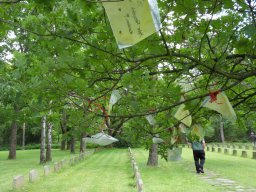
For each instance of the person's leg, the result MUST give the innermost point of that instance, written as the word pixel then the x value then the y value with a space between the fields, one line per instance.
pixel 202 161
pixel 196 159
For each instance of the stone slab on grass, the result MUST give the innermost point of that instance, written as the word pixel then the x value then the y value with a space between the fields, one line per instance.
pixel 33 175
pixel 18 181
pixel 47 170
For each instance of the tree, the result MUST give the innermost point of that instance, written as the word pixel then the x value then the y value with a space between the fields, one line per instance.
pixel 211 43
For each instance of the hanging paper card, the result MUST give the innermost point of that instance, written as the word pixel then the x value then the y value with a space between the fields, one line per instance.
pixel 198 130
pixel 100 139
pixel 115 96
pixel 151 119
pixel 182 128
pixel 174 139
pixel 183 115
pixel 219 102
pixel 157 140
pixel 132 20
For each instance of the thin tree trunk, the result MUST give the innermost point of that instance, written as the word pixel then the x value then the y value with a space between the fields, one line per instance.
pixel 23 136
pixel 72 145
pixel 49 142
pixel 13 141
pixel 82 143
pixel 222 132
pixel 63 130
pixel 42 148
pixel 153 156
pixel 63 145
pixel 68 144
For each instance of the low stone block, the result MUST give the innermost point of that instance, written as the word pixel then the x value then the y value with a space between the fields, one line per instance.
pixel 254 154
pixel 226 151
pixel 56 167
pixel 76 159
pixel 234 152
pixel 140 185
pixel 81 157
pixel 47 170
pixel 137 175
pixel 63 163
pixel 18 181
pixel 71 161
pixel 247 147
pixel 33 175
pixel 208 148
pixel 136 169
pixel 213 149
pixel 133 161
pixel 244 154
pixel 219 150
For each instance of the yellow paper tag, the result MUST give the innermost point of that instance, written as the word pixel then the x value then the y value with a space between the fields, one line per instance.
pixel 131 21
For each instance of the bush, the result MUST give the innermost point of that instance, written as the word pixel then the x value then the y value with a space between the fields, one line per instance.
pixel 29 147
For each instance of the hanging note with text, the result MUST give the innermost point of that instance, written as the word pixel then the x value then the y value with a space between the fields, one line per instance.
pixel 132 20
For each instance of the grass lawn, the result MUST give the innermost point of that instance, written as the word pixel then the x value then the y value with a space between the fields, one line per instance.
pixel 26 161
pixel 110 171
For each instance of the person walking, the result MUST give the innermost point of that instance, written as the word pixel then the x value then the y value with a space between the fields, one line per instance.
pixel 198 146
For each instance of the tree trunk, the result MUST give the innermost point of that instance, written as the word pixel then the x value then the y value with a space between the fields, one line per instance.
pixel 13 141
pixel 72 145
pixel 23 136
pixel 42 147
pixel 222 132
pixel 49 142
pixel 82 143
pixel 68 145
pixel 63 130
pixel 63 145
pixel 153 156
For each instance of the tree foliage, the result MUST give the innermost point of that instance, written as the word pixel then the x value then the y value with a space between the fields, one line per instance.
pixel 64 51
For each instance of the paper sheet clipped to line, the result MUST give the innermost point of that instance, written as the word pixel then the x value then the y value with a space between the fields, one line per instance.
pixel 132 20
pixel 183 114
pixel 100 139
pixel 222 105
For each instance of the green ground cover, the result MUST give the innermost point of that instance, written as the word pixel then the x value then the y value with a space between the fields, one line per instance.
pixel 110 171
pixel 26 161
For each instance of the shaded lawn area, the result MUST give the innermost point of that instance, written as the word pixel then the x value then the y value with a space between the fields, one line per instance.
pixel 170 176
pixel 107 170
pixel 110 170
pixel 26 161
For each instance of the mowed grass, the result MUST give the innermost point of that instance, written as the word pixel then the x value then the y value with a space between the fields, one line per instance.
pixel 26 161
pixel 240 169
pixel 170 176
pixel 110 170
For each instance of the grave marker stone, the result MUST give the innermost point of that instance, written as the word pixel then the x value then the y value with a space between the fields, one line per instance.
pixel 33 175
pixel 244 154
pixel 47 170
pixel 18 181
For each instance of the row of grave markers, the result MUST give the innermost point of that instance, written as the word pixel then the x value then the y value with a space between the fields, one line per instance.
pixel 227 147
pixel 244 153
pixel 19 180
pixel 139 182
pixel 234 146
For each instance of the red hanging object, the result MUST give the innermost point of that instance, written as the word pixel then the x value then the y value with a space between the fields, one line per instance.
pixel 213 95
